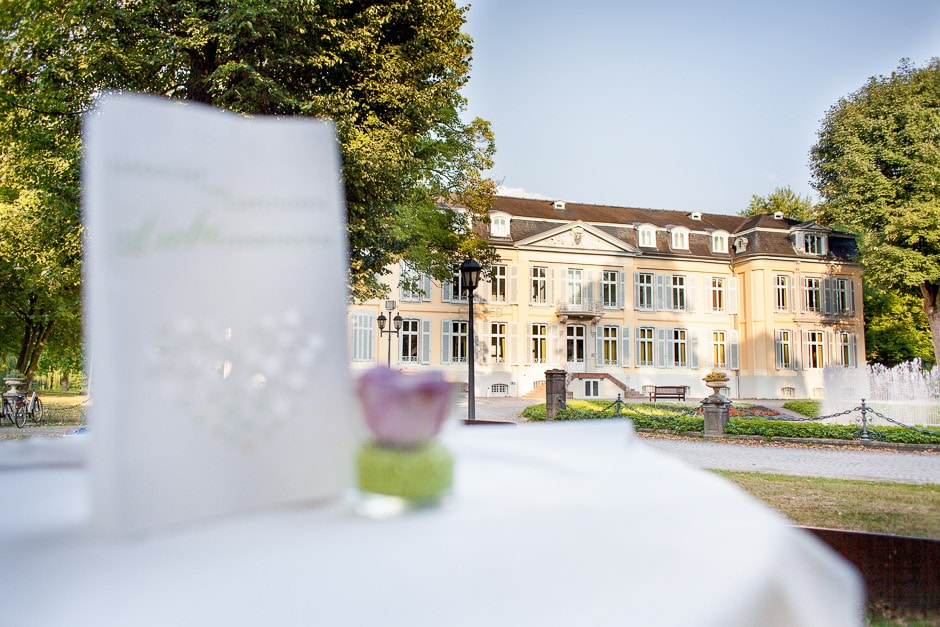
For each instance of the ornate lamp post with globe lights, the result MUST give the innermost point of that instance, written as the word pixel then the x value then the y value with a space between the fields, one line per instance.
pixel 470 279
pixel 396 322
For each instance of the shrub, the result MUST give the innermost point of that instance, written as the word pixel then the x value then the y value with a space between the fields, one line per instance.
pixel 673 417
pixel 810 409
pixel 534 412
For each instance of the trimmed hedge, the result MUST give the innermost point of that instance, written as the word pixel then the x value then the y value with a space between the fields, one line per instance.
pixel 789 429
pixel 586 410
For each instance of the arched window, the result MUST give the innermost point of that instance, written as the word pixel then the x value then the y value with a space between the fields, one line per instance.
pixel 499 226
pixel 719 242
pixel 647 236
pixel 680 239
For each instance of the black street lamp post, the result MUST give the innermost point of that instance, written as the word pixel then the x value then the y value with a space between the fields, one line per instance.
pixel 470 278
pixel 396 322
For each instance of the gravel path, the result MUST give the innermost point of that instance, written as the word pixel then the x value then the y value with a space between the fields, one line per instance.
pixel 839 462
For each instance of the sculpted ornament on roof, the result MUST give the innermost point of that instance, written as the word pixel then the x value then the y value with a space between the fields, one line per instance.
pixel 577 238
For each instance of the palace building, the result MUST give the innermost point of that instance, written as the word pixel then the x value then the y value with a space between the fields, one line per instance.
pixel 624 298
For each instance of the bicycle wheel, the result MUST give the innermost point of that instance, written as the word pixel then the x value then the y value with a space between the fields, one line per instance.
pixel 36 414
pixel 21 416
pixel 7 410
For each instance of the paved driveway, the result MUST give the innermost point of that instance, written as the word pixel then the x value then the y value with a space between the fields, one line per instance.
pixel 809 461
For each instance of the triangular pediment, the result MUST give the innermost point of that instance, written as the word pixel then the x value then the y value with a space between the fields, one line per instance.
pixel 578 236
pixel 811 225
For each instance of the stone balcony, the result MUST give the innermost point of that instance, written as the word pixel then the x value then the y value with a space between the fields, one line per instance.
pixel 586 309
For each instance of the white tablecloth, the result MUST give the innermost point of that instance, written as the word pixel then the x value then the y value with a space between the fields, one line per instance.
pixel 557 524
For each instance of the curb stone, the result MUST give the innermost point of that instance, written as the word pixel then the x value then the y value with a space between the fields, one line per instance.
pixel 875 444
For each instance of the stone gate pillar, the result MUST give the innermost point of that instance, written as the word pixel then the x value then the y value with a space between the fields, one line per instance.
pixel 556 392
pixel 717 410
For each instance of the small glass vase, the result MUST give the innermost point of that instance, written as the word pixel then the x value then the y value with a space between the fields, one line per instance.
pixel 394 480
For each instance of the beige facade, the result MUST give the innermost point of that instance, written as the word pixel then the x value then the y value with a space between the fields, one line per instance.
pixel 623 299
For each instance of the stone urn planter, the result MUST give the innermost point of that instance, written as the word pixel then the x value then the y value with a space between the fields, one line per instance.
pixel 14 383
pixel 716 381
pixel 716 408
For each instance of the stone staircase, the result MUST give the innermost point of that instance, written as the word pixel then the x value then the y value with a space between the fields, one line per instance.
pixel 627 392
pixel 538 392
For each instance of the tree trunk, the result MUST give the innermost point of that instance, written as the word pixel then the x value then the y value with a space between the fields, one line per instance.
pixel 38 347
pixel 931 294
pixel 35 337
pixel 22 360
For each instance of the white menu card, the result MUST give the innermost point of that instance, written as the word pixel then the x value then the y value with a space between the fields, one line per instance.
pixel 215 278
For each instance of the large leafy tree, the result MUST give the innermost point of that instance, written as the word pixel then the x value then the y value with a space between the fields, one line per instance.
pixel 783 199
pixel 387 72
pixel 40 231
pixel 896 327
pixel 877 167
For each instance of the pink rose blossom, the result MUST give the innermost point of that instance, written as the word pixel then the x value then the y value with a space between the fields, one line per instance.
pixel 404 409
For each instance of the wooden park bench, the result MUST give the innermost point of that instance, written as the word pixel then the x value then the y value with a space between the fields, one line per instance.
pixel 667 391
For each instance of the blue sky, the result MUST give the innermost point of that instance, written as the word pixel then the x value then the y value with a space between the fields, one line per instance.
pixel 676 104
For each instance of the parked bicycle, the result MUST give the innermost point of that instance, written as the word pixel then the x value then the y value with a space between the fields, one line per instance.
pixel 14 409
pixel 17 409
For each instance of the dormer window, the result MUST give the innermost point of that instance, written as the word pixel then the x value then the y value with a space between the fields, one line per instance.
pixel 814 244
pixel 695 215
pixel 680 239
pixel 719 242
pixel 499 226
pixel 647 237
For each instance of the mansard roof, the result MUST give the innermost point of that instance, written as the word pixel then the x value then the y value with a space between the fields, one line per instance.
pixel 761 235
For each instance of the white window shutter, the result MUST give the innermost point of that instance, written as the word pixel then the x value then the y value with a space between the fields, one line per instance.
pixel 402 273
pixel 690 291
pixel 804 346
pixel 513 284
pixel 625 346
pixel 621 294
pixel 527 348
pixel 550 288
pixel 426 287
pixel 661 348
pixel 692 336
pixel 553 350
pixel 425 348
pixel 512 341
pixel 445 342
pixel 599 346
pixel 484 291
pixel 733 351
pixel 796 350
pixel 636 291
pixel 660 292
pixel 732 295
pixel 363 336
pixel 483 341
pixel 778 349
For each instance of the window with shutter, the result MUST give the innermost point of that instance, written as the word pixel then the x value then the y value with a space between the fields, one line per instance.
pixel 363 336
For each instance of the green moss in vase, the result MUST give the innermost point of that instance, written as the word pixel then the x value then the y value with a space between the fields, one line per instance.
pixel 419 473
